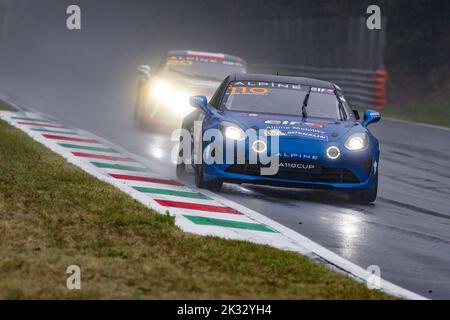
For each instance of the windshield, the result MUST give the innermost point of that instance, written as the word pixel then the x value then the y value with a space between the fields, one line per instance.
pixel 201 68
pixel 281 98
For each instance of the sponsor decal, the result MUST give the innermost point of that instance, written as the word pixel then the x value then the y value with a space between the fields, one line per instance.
pixel 263 84
pixel 294 123
pixel 304 132
pixel 323 90
pixel 190 59
pixel 273 132
pixel 303 166
pixel 174 62
pixel 307 135
pixel 298 156
pixel 313 125
pixel 300 166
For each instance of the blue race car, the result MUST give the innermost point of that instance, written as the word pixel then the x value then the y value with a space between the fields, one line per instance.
pixel 320 142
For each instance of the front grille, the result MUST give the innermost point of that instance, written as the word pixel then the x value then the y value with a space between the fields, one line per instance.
pixel 336 175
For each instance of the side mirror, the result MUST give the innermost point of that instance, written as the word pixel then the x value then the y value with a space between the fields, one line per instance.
pixel 356 114
pixel 144 70
pixel 200 102
pixel 371 116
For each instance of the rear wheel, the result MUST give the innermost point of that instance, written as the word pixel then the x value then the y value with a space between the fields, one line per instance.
pixel 181 167
pixel 366 196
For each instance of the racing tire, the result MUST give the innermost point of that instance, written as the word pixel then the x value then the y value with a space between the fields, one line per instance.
pixel 213 185
pixel 140 101
pixel 181 167
pixel 366 196
pixel 181 171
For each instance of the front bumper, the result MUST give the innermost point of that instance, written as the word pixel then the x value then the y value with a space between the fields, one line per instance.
pixel 352 170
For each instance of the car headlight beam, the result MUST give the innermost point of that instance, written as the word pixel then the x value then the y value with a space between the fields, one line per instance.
pixel 168 95
pixel 161 90
pixel 357 141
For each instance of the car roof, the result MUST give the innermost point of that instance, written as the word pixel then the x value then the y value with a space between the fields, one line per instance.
pixel 222 56
pixel 286 79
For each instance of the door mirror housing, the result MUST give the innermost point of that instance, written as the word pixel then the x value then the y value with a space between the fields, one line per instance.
pixel 144 70
pixel 200 102
pixel 371 116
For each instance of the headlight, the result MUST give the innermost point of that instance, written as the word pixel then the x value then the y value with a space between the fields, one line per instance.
pixel 161 90
pixel 176 99
pixel 357 141
pixel 232 131
pixel 259 146
pixel 181 102
pixel 333 152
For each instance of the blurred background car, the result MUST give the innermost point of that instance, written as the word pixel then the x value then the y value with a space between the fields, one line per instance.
pixel 163 96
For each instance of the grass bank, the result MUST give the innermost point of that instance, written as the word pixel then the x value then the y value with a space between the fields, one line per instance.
pixel 52 215
pixel 5 107
pixel 437 113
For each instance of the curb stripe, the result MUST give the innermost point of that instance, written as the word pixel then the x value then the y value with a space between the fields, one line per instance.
pixel 51 136
pixel 145 179
pixel 56 131
pixel 100 156
pixel 40 124
pixel 195 206
pixel 117 166
pixel 76 146
pixel 229 223
pixel 31 119
pixel 176 193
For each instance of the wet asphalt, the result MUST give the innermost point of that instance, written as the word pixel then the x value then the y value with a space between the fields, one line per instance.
pixel 406 232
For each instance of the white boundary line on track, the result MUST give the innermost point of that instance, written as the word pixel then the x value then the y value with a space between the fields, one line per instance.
pixel 287 240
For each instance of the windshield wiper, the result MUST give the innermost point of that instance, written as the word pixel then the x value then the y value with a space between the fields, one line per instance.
pixel 192 75
pixel 305 104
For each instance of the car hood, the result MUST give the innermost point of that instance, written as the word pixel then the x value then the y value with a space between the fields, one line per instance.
pixel 292 127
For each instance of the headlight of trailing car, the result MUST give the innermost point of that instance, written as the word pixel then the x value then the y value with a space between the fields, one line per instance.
pixel 161 89
pixel 232 131
pixel 357 141
pixel 175 98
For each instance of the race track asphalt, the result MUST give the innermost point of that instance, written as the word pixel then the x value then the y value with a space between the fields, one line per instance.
pixel 406 232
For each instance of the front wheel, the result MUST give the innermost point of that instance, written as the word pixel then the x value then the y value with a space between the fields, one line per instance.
pixel 215 184
pixel 366 196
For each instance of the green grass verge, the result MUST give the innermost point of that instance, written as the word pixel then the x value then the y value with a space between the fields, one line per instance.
pixel 432 113
pixel 5 106
pixel 52 215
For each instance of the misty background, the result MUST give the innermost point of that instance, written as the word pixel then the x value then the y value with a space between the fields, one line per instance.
pixel 117 35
